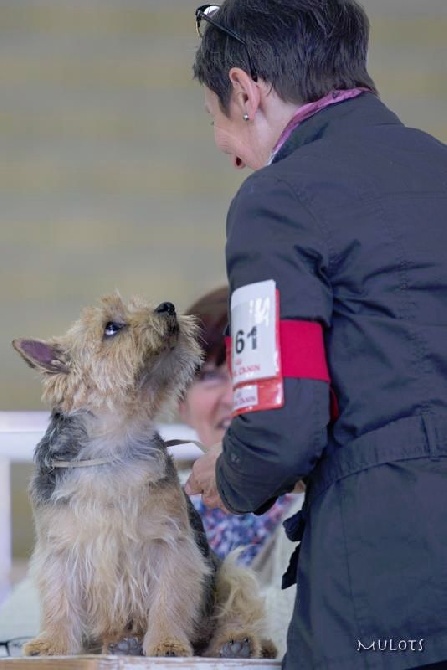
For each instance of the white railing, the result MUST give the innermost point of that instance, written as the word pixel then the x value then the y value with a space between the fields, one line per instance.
pixel 19 434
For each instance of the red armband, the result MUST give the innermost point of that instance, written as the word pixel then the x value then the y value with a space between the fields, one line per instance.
pixel 302 350
pixel 303 356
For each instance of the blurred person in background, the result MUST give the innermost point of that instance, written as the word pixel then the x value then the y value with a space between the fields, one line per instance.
pixel 207 408
pixel 336 260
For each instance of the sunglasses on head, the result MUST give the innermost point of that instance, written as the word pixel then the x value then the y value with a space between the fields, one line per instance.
pixel 207 13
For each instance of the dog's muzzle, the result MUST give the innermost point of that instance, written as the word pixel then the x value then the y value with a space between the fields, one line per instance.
pixel 167 311
pixel 165 308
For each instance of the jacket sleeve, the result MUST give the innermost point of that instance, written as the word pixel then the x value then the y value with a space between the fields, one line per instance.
pixel 272 235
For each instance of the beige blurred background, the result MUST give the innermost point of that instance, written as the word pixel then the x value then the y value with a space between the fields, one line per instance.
pixel 108 174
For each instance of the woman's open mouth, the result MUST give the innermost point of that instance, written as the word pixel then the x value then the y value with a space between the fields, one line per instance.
pixel 238 163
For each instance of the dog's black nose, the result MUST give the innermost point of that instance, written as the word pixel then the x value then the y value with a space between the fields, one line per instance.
pixel 165 307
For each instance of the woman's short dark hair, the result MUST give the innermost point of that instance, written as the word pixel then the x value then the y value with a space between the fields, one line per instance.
pixel 212 315
pixel 304 48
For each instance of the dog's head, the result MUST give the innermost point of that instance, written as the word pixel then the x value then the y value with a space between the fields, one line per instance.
pixel 118 356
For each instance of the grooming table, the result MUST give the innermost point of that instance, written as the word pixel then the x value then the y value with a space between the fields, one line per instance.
pixel 134 663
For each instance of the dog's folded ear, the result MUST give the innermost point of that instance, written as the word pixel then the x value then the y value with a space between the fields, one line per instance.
pixel 44 356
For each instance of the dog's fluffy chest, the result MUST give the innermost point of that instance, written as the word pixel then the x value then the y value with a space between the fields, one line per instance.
pixel 137 458
pixel 123 501
pixel 129 501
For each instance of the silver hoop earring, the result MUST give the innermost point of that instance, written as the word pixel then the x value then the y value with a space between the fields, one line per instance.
pixel 246 117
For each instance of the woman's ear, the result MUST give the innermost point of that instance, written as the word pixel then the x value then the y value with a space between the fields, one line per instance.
pixel 246 93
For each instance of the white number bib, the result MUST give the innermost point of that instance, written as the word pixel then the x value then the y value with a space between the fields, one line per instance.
pixel 255 355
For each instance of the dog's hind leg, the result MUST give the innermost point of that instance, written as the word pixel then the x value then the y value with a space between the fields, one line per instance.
pixel 179 572
pixel 240 615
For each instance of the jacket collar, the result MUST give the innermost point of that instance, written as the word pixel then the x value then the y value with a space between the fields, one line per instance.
pixel 364 110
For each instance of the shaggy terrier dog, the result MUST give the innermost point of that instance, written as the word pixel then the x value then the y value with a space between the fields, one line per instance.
pixel 120 552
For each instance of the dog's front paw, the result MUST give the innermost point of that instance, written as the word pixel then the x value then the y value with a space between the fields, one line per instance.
pixel 168 648
pixel 44 646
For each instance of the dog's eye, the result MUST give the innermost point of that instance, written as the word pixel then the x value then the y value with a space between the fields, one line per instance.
pixel 112 328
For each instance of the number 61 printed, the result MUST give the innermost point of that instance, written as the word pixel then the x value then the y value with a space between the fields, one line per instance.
pixel 241 338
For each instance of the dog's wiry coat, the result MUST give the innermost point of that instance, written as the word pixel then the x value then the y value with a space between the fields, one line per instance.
pixel 120 551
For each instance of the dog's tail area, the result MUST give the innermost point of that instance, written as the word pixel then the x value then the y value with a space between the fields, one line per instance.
pixel 240 607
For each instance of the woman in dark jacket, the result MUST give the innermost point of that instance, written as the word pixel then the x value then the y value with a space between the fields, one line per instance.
pixel 337 262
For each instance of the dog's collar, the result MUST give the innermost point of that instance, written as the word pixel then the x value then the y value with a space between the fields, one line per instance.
pixel 89 462
pixel 174 443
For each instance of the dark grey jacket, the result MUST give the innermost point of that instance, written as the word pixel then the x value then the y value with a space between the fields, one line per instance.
pixel 351 223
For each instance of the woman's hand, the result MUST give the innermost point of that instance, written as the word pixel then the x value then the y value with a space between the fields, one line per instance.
pixel 202 479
